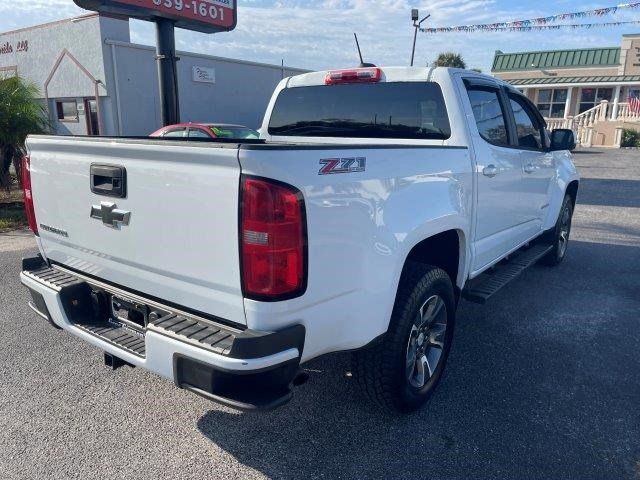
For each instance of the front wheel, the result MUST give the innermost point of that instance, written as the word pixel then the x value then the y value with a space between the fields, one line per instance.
pixel 559 236
pixel 401 372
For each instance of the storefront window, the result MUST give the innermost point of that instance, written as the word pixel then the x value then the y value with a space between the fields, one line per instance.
pixel 551 102
pixel 67 110
pixel 631 92
pixel 590 97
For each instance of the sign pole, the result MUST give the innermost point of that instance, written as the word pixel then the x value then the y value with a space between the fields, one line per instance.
pixel 167 71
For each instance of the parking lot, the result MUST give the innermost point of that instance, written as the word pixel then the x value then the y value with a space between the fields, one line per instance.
pixel 543 382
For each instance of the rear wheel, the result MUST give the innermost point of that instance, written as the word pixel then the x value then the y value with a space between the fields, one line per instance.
pixel 401 372
pixel 559 236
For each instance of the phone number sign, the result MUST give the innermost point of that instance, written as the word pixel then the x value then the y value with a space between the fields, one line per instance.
pixel 207 16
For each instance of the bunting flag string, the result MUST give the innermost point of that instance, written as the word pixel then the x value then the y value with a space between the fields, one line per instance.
pixel 532 28
pixel 541 23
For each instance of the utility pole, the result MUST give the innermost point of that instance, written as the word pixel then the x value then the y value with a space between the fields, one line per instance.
pixel 415 15
pixel 167 71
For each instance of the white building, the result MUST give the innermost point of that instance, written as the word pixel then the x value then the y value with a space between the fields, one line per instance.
pixel 95 81
pixel 586 89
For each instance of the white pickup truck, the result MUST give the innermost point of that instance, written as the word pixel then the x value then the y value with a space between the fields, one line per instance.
pixel 376 199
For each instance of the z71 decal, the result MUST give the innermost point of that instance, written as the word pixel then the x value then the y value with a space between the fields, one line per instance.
pixel 342 165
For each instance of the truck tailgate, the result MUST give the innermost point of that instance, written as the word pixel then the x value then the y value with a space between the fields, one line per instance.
pixel 181 241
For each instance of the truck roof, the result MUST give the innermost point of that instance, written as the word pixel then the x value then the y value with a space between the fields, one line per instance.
pixel 389 74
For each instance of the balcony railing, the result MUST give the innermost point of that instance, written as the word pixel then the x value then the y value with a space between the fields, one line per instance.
pixel 625 113
pixel 584 123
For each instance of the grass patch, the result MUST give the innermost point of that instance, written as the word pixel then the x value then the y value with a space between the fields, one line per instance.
pixel 12 216
pixel 12 196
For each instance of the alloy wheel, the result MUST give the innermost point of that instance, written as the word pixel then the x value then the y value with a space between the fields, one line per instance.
pixel 426 341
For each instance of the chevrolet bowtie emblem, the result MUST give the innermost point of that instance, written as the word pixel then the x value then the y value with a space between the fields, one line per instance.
pixel 110 215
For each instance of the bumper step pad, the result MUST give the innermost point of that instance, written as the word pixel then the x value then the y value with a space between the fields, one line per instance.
pixel 203 334
pixel 119 336
pixel 52 278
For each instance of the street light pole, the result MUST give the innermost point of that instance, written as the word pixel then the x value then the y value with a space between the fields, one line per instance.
pixel 416 24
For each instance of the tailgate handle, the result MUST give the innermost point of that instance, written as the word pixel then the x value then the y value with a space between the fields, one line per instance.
pixel 109 180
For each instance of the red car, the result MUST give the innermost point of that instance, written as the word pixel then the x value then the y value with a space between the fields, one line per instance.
pixel 206 130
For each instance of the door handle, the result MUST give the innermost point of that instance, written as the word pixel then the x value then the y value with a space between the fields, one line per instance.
pixel 530 168
pixel 490 171
pixel 109 180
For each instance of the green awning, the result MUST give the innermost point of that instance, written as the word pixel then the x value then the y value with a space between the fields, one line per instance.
pixel 581 80
pixel 578 58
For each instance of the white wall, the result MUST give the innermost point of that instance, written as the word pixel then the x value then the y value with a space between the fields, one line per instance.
pixel 239 95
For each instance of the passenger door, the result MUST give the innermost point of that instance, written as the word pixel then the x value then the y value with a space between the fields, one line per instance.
pixel 538 166
pixel 498 170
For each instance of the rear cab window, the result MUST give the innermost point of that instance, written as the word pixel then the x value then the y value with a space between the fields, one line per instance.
pixel 400 110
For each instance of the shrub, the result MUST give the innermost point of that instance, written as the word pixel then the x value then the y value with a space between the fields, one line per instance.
pixel 20 115
pixel 630 138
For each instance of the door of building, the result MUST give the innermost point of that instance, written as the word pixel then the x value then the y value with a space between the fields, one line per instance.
pixel 91 113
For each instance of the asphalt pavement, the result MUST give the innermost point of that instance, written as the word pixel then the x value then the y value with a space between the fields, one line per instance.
pixel 543 383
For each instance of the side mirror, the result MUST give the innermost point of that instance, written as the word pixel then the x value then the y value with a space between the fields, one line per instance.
pixel 563 139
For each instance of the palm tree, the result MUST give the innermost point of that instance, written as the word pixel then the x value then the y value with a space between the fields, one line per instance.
pixel 20 115
pixel 450 59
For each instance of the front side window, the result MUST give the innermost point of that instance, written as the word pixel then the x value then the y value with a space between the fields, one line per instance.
pixel 490 118
pixel 403 110
pixel 67 110
pixel 552 102
pixel 528 129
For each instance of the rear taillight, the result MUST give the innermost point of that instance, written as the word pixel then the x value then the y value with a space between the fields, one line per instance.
pixel 28 194
pixel 273 240
pixel 356 75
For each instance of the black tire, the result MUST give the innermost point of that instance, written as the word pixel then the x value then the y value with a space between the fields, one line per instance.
pixel 559 235
pixel 382 371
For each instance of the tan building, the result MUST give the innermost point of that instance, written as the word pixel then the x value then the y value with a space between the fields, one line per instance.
pixel 585 89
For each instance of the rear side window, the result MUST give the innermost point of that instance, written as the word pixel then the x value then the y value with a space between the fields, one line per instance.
pixel 403 110
pixel 489 115
pixel 174 133
pixel 197 133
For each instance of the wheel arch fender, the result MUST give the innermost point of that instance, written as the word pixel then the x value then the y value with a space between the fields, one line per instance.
pixel 566 181
pixel 445 246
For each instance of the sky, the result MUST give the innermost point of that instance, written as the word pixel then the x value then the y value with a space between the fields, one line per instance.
pixel 318 34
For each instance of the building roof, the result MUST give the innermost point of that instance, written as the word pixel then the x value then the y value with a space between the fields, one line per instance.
pixel 586 57
pixel 581 80
pixel 78 18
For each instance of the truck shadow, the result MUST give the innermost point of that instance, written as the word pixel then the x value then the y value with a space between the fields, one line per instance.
pixel 541 383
